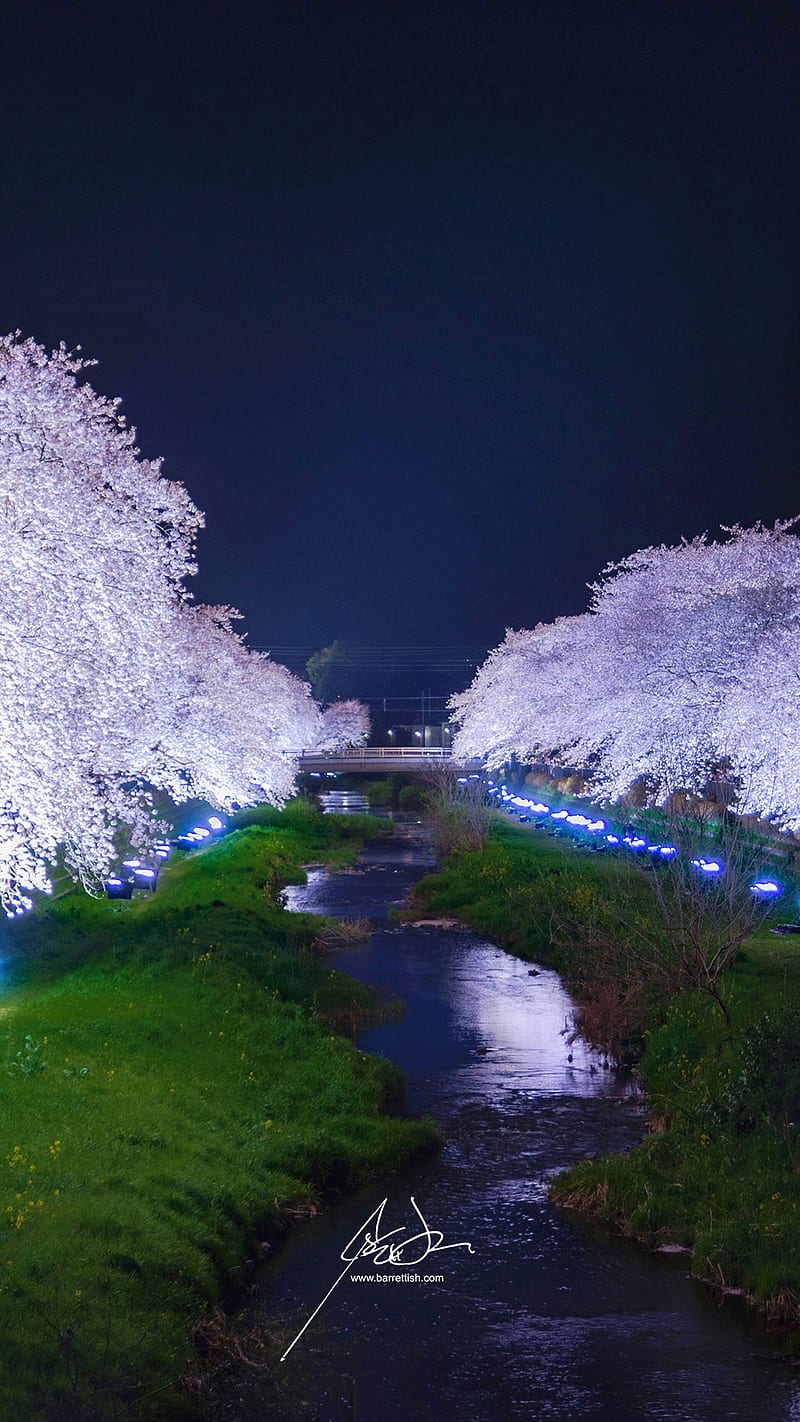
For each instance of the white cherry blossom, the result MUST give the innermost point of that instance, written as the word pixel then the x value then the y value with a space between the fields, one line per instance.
pixel 687 655
pixel 110 675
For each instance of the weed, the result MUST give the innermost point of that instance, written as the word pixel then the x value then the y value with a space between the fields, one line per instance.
pixel 28 1060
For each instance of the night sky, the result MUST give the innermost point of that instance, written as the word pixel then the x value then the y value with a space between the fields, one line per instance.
pixel 435 307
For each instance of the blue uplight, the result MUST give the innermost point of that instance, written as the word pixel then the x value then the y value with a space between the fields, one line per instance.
pixel 145 878
pixel 117 888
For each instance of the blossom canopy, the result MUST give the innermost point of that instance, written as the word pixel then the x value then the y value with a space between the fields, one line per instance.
pixel 110 675
pixel 687 655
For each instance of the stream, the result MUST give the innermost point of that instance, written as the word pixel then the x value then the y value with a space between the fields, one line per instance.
pixel 544 1317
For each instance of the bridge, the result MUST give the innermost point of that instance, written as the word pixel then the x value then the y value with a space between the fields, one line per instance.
pixel 375 759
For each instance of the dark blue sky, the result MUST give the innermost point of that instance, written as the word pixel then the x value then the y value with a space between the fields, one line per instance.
pixel 434 307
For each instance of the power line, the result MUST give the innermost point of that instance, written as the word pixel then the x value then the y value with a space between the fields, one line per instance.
pixel 401 658
pixel 449 652
pixel 390 697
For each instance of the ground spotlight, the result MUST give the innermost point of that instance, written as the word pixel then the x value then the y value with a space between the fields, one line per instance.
pixel 119 888
pixel 145 878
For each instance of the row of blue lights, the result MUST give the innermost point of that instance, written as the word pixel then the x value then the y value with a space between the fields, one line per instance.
pixel 764 888
pixel 138 875
pixel 145 876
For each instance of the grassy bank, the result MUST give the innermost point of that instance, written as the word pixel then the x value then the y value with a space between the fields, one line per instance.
pixel 719 1173
pixel 172 1089
pixel 531 894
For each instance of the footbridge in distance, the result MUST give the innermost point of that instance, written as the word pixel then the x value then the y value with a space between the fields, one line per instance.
pixel 377 759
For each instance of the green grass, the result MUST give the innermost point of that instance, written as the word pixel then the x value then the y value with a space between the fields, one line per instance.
pixel 170 1089
pixel 720 1171
pixel 514 888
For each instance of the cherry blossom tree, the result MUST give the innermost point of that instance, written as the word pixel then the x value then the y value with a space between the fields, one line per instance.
pixel 524 699
pixel 109 673
pixel 695 647
pixel 237 719
pixel 344 723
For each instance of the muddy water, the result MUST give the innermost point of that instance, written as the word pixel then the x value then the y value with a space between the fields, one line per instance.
pixel 543 1318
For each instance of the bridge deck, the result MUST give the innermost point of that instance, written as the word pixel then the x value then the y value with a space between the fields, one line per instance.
pixel 377 758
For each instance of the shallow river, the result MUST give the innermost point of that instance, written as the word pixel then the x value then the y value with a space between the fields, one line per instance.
pixel 545 1318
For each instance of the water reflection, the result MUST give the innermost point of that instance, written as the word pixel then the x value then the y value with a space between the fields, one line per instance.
pixel 548 1319
pixel 344 802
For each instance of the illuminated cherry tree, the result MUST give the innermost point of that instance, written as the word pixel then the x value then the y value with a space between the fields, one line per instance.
pixel 688 655
pixel 110 674
pixel 237 719
pixel 344 723
pixel 521 699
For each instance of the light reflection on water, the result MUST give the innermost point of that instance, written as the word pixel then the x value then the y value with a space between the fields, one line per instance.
pixel 548 1319
pixel 344 802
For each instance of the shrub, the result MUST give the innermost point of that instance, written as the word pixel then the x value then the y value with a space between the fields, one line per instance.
pixel 411 797
pixel 378 792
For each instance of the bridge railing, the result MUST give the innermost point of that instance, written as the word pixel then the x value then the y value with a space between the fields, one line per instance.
pixel 377 753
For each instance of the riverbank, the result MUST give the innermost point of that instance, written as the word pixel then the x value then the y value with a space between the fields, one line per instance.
pixel 526 1324
pixel 719 1174
pixel 174 1092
